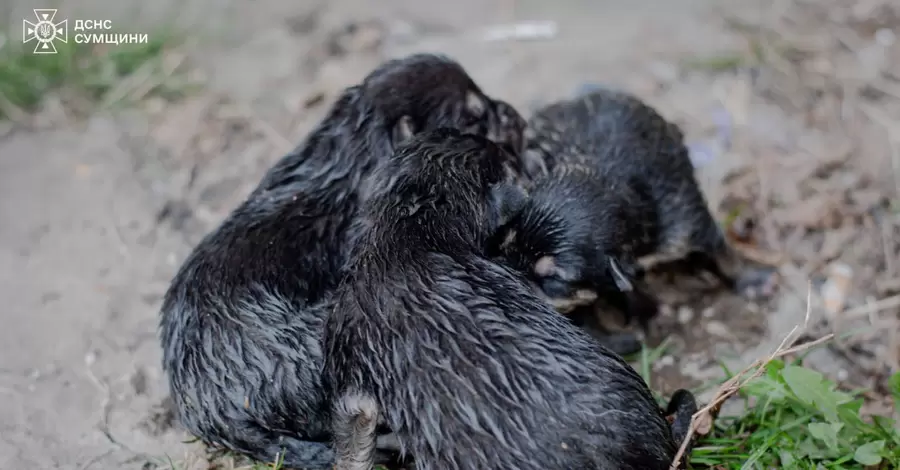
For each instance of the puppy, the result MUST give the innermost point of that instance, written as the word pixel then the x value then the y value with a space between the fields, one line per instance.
pixel 618 195
pixel 578 236
pixel 242 321
pixel 458 355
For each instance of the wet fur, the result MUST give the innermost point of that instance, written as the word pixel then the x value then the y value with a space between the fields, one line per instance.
pixel 241 322
pixel 465 362
pixel 680 411
pixel 579 229
pixel 618 132
pixel 615 174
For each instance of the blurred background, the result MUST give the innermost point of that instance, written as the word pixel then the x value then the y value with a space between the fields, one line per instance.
pixel 116 158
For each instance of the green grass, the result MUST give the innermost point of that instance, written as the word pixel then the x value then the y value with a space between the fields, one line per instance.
pixel 105 74
pixel 795 418
pixel 730 61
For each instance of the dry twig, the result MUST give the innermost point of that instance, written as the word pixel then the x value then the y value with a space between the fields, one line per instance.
pixel 873 307
pixel 702 420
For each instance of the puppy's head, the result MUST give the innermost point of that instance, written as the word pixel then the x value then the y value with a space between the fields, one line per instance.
pixel 536 240
pixel 561 240
pixel 561 283
pixel 567 275
pixel 425 91
pixel 449 182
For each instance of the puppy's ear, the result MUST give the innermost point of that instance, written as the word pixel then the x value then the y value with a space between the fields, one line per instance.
pixel 403 129
pixel 621 276
pixel 475 103
pixel 506 200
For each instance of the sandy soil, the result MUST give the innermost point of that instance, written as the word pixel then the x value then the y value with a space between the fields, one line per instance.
pixel 96 214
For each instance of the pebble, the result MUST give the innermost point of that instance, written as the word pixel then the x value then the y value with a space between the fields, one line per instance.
pixel 664 361
pixel 885 37
pixel 90 358
pixel 666 310
pixel 717 328
pixel 685 314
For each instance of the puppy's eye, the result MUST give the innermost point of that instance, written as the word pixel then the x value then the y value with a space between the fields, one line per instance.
pixel 556 288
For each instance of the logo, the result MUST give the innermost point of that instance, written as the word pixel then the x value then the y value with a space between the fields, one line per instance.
pixel 45 31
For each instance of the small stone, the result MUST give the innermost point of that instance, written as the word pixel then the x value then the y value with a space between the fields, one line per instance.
pixel 717 328
pixel 708 312
pixel 666 310
pixel 155 105
pixel 90 358
pixel 685 314
pixel 665 361
pixel 885 37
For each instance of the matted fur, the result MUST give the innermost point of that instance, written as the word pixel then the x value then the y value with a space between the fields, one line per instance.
pixel 617 188
pixel 241 322
pixel 468 365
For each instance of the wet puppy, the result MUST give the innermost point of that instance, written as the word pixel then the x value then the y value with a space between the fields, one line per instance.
pixel 579 234
pixel 618 195
pixel 458 355
pixel 241 322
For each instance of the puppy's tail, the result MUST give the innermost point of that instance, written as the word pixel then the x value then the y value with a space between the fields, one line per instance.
pixel 355 418
pixel 682 407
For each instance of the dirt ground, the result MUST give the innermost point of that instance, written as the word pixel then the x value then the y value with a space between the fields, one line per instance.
pixel 96 214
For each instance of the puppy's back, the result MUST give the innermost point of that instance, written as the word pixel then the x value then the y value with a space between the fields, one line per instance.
pixel 461 359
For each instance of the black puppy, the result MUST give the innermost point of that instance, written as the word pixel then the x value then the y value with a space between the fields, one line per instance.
pixel 241 322
pixel 458 355
pixel 619 189
pixel 578 237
